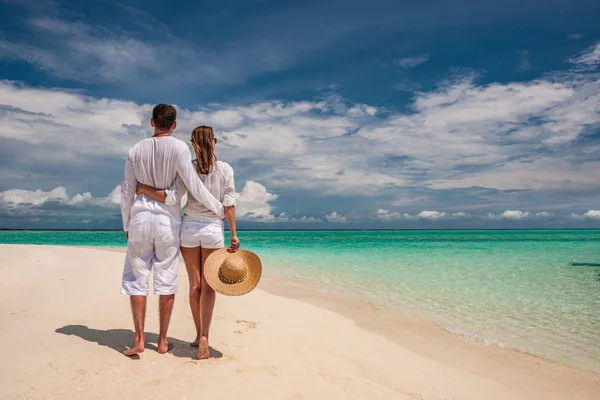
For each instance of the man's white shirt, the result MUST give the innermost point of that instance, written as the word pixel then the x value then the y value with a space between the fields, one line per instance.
pixel 157 162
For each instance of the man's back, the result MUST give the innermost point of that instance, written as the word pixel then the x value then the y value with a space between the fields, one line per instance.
pixel 155 160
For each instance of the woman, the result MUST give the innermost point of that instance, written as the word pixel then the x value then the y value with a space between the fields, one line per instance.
pixel 202 231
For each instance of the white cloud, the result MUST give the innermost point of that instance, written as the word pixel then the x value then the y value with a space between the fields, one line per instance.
pixel 81 198
pixel 336 218
pixel 575 36
pixel 253 203
pixel 284 217
pixel 412 61
pixel 590 58
pixel 94 54
pixel 465 125
pixel 145 49
pixel 519 135
pixel 386 215
pixel 591 214
pixel 17 198
pixel 510 214
pixel 541 173
pixel 431 215
pixel 362 109
pixel 543 214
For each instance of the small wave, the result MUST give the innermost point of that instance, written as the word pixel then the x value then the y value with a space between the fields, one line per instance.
pixel 475 337
pixel 479 338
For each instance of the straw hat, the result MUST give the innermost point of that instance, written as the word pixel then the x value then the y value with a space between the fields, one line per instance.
pixel 232 274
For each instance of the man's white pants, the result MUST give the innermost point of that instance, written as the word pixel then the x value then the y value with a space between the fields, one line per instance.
pixel 153 244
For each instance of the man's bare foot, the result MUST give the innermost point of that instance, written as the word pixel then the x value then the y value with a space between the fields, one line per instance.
pixel 164 347
pixel 137 348
pixel 203 349
pixel 195 342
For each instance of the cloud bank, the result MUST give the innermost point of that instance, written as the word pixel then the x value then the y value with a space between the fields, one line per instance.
pixel 461 137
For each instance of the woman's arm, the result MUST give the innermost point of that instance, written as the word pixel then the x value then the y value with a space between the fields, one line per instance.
pixel 234 245
pixel 156 194
pixel 229 205
pixel 169 196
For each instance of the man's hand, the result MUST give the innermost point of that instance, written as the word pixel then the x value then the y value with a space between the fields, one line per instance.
pixel 127 235
pixel 234 245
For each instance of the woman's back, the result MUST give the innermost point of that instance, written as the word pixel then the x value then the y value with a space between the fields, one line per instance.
pixel 219 181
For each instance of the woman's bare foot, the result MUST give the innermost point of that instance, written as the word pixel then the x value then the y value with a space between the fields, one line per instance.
pixel 137 348
pixel 195 342
pixel 203 349
pixel 164 346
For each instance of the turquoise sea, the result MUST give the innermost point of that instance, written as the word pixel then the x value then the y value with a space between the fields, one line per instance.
pixel 532 291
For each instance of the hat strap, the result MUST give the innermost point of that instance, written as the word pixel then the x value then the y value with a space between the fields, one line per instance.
pixel 229 281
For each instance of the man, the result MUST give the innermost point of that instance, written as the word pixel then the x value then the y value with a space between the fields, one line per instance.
pixel 152 227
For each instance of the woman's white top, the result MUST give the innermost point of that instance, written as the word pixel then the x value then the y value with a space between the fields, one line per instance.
pixel 219 182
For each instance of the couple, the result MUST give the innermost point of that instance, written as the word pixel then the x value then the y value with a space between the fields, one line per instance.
pixel 158 172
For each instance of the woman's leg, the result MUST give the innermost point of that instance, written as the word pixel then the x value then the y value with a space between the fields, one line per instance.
pixel 191 257
pixel 207 305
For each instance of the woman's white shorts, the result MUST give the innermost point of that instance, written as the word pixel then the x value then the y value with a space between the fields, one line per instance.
pixel 207 233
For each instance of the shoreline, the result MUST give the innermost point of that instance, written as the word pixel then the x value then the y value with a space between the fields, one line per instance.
pixel 390 323
pixel 414 345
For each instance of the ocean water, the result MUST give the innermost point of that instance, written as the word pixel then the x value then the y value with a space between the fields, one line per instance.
pixel 532 291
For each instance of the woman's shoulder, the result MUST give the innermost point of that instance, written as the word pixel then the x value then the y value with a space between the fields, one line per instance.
pixel 225 167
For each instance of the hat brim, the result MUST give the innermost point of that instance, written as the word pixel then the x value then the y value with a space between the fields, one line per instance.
pixel 211 272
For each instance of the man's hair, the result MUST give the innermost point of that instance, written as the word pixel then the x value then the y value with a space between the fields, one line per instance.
pixel 164 116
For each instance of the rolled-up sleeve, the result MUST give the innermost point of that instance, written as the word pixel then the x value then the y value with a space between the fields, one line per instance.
pixel 128 187
pixel 195 187
pixel 229 192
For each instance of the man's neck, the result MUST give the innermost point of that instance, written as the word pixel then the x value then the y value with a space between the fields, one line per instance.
pixel 158 133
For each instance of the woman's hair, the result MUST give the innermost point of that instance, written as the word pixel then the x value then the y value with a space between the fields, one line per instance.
pixel 203 140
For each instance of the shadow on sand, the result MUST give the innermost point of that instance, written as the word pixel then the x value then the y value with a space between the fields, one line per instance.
pixel 119 339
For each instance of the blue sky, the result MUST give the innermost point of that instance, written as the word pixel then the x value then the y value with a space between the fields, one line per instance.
pixel 334 114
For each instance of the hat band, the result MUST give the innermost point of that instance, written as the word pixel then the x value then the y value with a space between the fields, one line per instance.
pixel 229 281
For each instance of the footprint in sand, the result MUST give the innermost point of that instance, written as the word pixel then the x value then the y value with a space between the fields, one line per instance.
pixel 248 325
pixel 213 359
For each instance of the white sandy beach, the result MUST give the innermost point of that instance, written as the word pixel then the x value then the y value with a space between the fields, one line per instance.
pixel 64 324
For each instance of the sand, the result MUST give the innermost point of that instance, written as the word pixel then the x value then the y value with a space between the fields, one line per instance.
pixel 63 325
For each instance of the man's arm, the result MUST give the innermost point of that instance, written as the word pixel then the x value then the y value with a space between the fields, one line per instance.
pixel 128 188
pixel 196 188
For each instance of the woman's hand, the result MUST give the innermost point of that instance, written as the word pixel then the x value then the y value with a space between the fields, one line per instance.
pixel 234 245
pixel 140 188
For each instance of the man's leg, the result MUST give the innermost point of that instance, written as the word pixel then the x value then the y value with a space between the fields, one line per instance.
pixel 165 304
pixel 166 266
pixel 138 309
pixel 136 275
